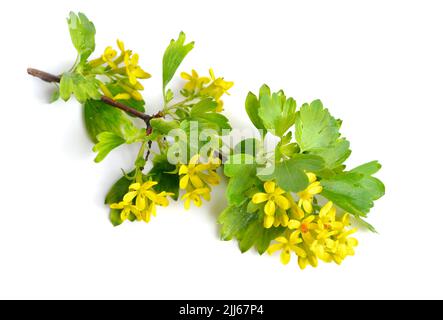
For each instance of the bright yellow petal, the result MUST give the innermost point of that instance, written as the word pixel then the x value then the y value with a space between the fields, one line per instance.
pixel 259 197
pixel 293 224
pixel 281 239
pixel 269 186
pixel 302 262
pixel 270 208
pixel 307 205
pixel 196 181
pixel 282 202
pixel 130 196
pixel 268 221
pixel 134 186
pixel 184 181
pixel 274 248
pixel 285 256
pixel 311 176
pixel 183 169
pixel 140 202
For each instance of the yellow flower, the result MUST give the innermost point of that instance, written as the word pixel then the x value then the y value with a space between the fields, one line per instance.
pixel 143 194
pixel 133 70
pixel 332 242
pixel 106 92
pixel 306 196
pixel 108 57
pixel 310 259
pixel 217 89
pixel 193 173
pixel 126 209
pixel 195 83
pixel 287 245
pixel 274 197
pixel 195 196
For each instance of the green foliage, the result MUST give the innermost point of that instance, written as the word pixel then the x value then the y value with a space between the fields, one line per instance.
pixel 83 87
pixel 106 142
pixel 317 132
pixel 173 57
pixel 163 127
pixel 204 113
pixel 82 34
pixel 162 172
pixel 276 111
pixel 247 228
pixel 355 191
pixel 100 117
pixel 242 171
pixel 290 174
pixel 247 146
pixel 252 106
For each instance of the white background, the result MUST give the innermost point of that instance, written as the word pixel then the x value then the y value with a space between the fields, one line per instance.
pixel 378 65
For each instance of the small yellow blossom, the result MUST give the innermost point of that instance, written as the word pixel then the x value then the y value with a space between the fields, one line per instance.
pixel 306 196
pixel 192 173
pixel 216 89
pixel 194 82
pixel 120 96
pixel 195 196
pixel 133 70
pixel 288 244
pixel 274 198
pixel 126 209
pixel 108 57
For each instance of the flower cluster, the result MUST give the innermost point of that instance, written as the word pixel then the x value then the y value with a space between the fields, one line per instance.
pixel 206 87
pixel 123 71
pixel 196 179
pixel 140 202
pixel 310 235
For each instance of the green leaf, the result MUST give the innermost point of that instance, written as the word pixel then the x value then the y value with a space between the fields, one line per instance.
pixel 203 113
pixel 55 95
pixel 100 117
pixel 173 57
pixel 276 112
pixel 317 132
pixel 354 191
pixel 248 228
pixel 82 34
pixel 368 169
pixel 290 174
pixel 82 87
pixel 252 106
pixel 163 127
pixel 160 172
pixel 203 106
pixel 211 120
pixel 118 189
pixel 242 172
pixel 107 141
pixel 115 217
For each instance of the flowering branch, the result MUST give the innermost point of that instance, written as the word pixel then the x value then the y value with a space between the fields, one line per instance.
pixel 48 77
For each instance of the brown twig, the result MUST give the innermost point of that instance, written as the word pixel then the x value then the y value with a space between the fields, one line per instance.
pixel 45 76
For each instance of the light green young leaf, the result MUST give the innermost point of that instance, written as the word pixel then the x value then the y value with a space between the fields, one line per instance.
pixel 203 106
pixel 354 191
pixel 317 132
pixel 106 142
pixel 163 127
pixel 82 87
pixel 173 57
pixel 242 172
pixel 252 106
pixel 82 34
pixel 276 112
